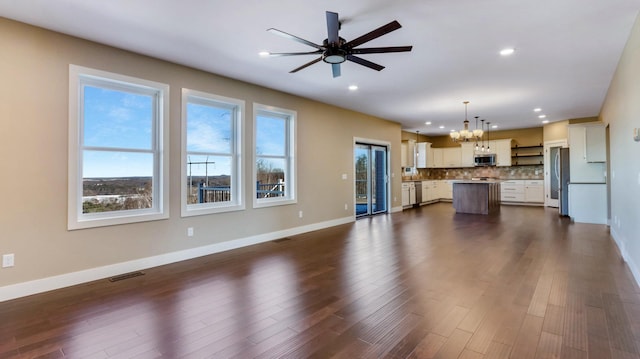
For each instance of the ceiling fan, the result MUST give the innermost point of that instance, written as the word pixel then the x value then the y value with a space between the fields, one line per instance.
pixel 336 50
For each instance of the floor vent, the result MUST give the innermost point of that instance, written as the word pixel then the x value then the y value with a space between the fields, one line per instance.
pixel 281 240
pixel 126 276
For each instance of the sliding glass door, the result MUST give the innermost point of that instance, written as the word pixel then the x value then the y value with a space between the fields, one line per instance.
pixel 370 179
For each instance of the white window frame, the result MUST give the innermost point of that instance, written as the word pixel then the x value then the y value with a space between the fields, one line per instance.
pixel 80 76
pixel 290 196
pixel 237 175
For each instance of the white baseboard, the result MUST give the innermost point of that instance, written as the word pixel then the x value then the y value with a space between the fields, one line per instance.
pixel 620 242
pixel 24 289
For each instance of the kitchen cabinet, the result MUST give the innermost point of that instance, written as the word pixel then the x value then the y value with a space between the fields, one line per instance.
pixel 451 157
pixel 423 154
pixel 534 191
pixel 408 193
pixel 426 191
pixel 408 153
pixel 583 171
pixel 522 191
pixel 445 189
pixel 467 153
pixel 595 143
pixel 512 191
pixel 588 203
pixel 502 149
pixel 438 161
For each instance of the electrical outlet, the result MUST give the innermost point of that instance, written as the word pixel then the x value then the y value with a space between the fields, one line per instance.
pixel 300 214
pixel 345 207
pixel 344 176
pixel 190 232
pixel 8 260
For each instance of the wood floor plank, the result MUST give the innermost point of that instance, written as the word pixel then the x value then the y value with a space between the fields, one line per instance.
pixel 421 283
pixel 549 346
pixel 454 345
pixel 528 337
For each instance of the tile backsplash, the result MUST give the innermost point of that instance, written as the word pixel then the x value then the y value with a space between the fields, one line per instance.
pixel 514 172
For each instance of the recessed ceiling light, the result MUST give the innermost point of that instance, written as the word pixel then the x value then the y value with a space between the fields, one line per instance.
pixel 537 109
pixel 264 53
pixel 507 51
pixel 494 126
pixel 542 116
pixel 545 121
pixel 443 127
pixel 427 123
pixel 353 87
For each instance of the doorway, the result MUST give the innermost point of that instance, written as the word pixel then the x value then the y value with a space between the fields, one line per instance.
pixel 552 172
pixel 371 187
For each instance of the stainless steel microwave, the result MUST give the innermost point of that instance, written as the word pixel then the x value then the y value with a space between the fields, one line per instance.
pixel 484 159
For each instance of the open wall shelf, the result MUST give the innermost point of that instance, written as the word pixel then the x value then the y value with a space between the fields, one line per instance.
pixel 527 155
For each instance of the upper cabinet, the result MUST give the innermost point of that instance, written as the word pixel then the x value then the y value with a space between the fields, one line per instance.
pixel 502 149
pixel 467 152
pixel 408 153
pixel 424 158
pixel 451 157
pixel 595 143
pixel 587 153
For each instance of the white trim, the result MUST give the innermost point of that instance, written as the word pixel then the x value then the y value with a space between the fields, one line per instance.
pixel 291 192
pixel 547 168
pixel 237 175
pixel 380 143
pixel 75 218
pixel 18 290
pixel 620 242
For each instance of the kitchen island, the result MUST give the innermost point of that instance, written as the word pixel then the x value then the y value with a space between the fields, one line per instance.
pixel 476 196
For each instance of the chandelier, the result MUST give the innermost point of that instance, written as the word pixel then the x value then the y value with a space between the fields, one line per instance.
pixel 465 134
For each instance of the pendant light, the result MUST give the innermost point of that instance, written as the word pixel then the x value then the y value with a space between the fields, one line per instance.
pixel 464 134
pixel 488 136
pixel 482 150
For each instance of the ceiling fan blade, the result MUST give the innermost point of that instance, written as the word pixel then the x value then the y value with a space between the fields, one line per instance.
pixel 379 50
pixel 335 69
pixel 333 25
pixel 295 53
pixel 295 38
pixel 306 65
pixel 382 30
pixel 363 62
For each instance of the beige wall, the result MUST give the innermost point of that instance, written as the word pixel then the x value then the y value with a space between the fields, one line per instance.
pixel 34 65
pixel 621 110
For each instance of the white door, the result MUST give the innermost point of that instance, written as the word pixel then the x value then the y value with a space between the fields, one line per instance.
pixel 552 172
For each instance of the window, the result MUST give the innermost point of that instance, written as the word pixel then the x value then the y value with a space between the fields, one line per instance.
pixel 118 169
pixel 274 166
pixel 211 160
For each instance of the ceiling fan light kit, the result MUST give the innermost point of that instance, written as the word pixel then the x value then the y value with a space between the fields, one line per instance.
pixel 336 50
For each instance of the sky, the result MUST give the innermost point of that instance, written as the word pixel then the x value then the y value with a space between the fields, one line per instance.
pixel 122 121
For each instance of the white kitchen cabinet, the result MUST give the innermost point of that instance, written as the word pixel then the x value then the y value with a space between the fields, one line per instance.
pixel 408 153
pixel 426 191
pixel 445 189
pixel 595 143
pixel 451 157
pixel 588 203
pixel 502 149
pixel 408 193
pixel 437 157
pixel 522 191
pixel 581 170
pixel 512 191
pixel 534 191
pixel 423 153
pixel 467 152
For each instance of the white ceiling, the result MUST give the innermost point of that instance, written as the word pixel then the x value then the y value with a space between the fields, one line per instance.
pixel 566 50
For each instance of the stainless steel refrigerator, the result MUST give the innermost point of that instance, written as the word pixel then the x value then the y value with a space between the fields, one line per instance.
pixel 564 178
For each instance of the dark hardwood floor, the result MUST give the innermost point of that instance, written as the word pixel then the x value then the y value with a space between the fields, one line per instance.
pixel 425 283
